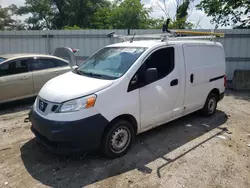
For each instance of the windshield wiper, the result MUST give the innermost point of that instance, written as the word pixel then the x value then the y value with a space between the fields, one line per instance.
pixel 88 74
pixel 92 74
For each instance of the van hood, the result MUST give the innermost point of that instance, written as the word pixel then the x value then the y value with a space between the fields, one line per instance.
pixel 70 86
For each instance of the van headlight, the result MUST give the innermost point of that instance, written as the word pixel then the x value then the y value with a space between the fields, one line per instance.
pixel 78 104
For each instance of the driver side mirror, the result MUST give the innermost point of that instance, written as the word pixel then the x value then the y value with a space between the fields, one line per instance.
pixel 151 75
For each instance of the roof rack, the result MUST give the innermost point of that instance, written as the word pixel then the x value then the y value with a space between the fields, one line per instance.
pixel 174 35
pixel 171 35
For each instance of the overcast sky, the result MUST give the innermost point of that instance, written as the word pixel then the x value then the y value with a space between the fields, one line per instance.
pixel 194 17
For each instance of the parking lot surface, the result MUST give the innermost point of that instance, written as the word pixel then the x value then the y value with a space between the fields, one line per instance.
pixel 190 152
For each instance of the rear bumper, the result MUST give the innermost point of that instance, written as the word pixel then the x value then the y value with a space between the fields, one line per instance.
pixel 71 136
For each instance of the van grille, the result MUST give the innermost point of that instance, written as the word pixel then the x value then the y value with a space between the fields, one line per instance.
pixel 45 107
pixel 42 105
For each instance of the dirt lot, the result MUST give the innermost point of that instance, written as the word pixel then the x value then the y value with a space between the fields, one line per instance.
pixel 190 152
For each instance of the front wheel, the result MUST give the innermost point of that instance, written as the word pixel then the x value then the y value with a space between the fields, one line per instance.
pixel 117 139
pixel 210 105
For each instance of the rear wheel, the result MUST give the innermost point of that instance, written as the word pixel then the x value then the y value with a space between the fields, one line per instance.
pixel 118 139
pixel 210 105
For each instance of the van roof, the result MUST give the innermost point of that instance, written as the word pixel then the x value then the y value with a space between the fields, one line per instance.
pixel 150 43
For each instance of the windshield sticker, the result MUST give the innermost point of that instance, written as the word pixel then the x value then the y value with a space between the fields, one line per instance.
pixel 129 50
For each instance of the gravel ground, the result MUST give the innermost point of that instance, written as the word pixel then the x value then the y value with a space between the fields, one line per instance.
pixel 190 152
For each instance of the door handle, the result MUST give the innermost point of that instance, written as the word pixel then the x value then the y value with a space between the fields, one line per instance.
pixel 174 82
pixel 192 78
pixel 24 78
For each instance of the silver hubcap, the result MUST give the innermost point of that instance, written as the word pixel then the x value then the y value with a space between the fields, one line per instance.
pixel 120 139
pixel 211 105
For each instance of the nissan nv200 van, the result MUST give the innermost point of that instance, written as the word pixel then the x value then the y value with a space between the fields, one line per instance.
pixel 125 89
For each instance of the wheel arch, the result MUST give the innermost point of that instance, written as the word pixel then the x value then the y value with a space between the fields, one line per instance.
pixel 215 91
pixel 128 117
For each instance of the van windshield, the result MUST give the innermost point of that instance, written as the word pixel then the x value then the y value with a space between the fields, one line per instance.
pixel 110 62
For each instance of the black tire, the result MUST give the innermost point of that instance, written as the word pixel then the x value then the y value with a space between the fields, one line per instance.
pixel 120 132
pixel 210 106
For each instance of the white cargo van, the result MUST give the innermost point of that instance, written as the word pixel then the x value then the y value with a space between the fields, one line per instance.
pixel 125 89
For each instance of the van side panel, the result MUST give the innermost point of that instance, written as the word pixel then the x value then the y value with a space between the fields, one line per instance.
pixel 205 70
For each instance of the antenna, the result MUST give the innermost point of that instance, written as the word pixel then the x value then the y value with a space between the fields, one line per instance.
pixel 132 39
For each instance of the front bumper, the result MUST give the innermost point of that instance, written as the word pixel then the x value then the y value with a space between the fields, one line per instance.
pixel 69 136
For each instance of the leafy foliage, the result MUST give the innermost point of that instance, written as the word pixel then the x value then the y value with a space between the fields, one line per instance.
pixel 6 20
pixel 102 18
pixel 83 14
pixel 226 12
pixel 130 14
pixel 56 14
pixel 181 16
pixel 180 20
pixel 41 12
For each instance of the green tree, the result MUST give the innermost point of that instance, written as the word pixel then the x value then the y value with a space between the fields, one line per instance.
pixel 56 14
pixel 124 14
pixel 42 14
pixel 79 12
pixel 130 14
pixel 7 20
pixel 227 12
pixel 180 19
pixel 181 15
pixel 101 18
pixel 83 14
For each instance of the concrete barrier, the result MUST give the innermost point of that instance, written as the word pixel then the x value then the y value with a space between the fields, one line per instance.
pixel 241 80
